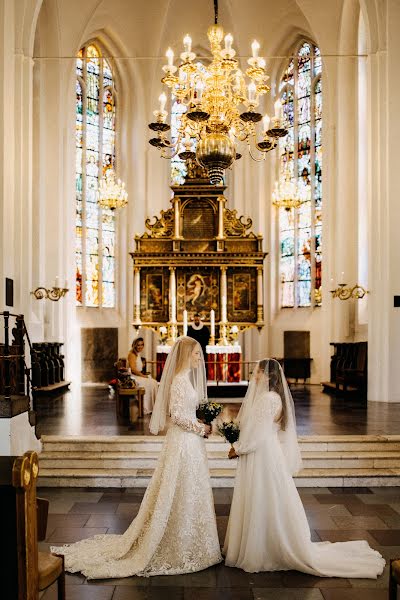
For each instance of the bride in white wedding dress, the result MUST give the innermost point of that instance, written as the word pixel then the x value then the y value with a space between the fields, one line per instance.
pixel 268 528
pixel 175 530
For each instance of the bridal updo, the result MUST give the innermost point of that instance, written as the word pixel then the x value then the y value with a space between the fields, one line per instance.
pixel 271 371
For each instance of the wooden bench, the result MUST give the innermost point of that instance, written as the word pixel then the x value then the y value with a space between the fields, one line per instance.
pixel 36 571
pixel 125 403
pixel 394 578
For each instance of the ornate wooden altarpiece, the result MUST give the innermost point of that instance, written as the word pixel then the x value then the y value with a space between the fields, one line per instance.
pixel 198 255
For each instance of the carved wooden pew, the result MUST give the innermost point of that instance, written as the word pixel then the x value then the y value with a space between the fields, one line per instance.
pixel 36 570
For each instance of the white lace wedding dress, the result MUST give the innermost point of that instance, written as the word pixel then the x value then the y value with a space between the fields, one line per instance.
pixel 175 530
pixel 268 528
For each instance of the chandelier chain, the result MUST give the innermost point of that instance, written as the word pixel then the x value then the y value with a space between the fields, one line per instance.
pixel 215 12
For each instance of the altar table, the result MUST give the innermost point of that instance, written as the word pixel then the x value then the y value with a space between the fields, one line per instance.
pixel 223 362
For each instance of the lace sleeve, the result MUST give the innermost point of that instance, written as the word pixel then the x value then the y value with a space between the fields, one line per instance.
pixel 179 412
pixel 250 439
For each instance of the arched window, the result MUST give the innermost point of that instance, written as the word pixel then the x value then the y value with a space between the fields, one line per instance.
pixel 95 153
pixel 300 229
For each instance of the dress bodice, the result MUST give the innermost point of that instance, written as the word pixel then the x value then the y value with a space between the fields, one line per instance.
pixel 183 404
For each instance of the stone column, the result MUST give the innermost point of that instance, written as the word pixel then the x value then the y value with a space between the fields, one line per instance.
pixel 260 296
pixel 221 211
pixel 177 220
pixel 136 297
pixel 172 327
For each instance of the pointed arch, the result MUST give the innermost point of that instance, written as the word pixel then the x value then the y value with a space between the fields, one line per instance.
pixel 96 102
pixel 300 152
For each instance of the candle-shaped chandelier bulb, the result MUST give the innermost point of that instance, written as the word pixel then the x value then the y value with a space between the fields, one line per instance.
pixel 228 42
pixel 255 47
pixel 266 121
pixel 187 42
pixel 252 89
pixel 170 56
pixel 163 100
pixel 278 110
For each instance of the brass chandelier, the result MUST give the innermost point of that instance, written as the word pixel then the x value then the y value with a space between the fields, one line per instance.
pixel 286 193
pixel 220 107
pixel 111 193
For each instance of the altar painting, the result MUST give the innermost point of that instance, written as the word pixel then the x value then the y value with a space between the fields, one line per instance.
pixel 197 292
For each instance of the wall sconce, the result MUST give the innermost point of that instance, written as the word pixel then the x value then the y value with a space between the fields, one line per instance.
pixel 54 293
pixel 343 292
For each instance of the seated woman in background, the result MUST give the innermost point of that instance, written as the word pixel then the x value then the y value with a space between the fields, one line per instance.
pixel 137 365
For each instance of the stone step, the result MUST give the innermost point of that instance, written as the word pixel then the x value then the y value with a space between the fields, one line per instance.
pixel 219 477
pixel 350 443
pixel 217 459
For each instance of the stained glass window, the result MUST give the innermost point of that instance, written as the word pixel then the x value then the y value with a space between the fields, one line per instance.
pixel 301 150
pixel 95 153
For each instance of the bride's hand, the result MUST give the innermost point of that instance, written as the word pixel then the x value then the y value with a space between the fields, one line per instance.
pixel 232 453
pixel 207 429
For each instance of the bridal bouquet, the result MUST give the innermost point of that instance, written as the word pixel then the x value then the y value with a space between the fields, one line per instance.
pixel 208 411
pixel 230 431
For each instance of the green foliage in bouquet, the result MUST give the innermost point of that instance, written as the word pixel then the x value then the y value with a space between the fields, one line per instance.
pixel 208 411
pixel 230 431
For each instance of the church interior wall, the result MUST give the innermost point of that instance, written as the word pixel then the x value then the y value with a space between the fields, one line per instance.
pixel 360 183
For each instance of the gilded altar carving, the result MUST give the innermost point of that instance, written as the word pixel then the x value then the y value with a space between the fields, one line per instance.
pixel 199 237
pixel 162 226
pixel 235 226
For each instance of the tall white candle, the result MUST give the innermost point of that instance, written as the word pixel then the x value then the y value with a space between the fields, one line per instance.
pixel 185 322
pixel 66 284
pixel 57 282
pixel 212 322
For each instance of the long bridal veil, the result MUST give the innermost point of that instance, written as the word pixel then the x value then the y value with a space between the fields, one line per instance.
pixel 178 360
pixel 268 376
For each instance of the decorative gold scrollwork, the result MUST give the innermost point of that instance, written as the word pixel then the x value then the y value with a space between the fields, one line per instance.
pixel 163 226
pixel 235 226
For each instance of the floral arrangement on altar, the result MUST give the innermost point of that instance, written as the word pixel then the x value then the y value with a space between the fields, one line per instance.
pixel 230 431
pixel 162 332
pixel 234 334
pixel 208 411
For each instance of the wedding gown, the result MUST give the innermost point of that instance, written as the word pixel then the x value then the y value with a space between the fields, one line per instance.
pixel 175 530
pixel 268 528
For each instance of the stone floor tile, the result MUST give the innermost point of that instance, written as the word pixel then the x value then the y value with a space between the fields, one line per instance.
pixel 329 510
pixel 108 521
pixel 202 579
pixel 60 506
pixel 133 582
pixel 354 594
pixel 294 579
pixel 393 522
pixel 381 582
pixel 354 490
pixel 231 577
pixel 68 535
pixel 218 594
pixel 380 510
pixel 81 592
pixel 386 537
pixel 359 523
pixel 128 510
pixel 310 491
pixel 88 507
pixel 340 535
pixel 161 593
pixel 388 552
pixel 287 594
pixel 222 510
pixel 321 521
pixel 381 498
pixel 129 593
pixel 338 498
pixel 266 579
